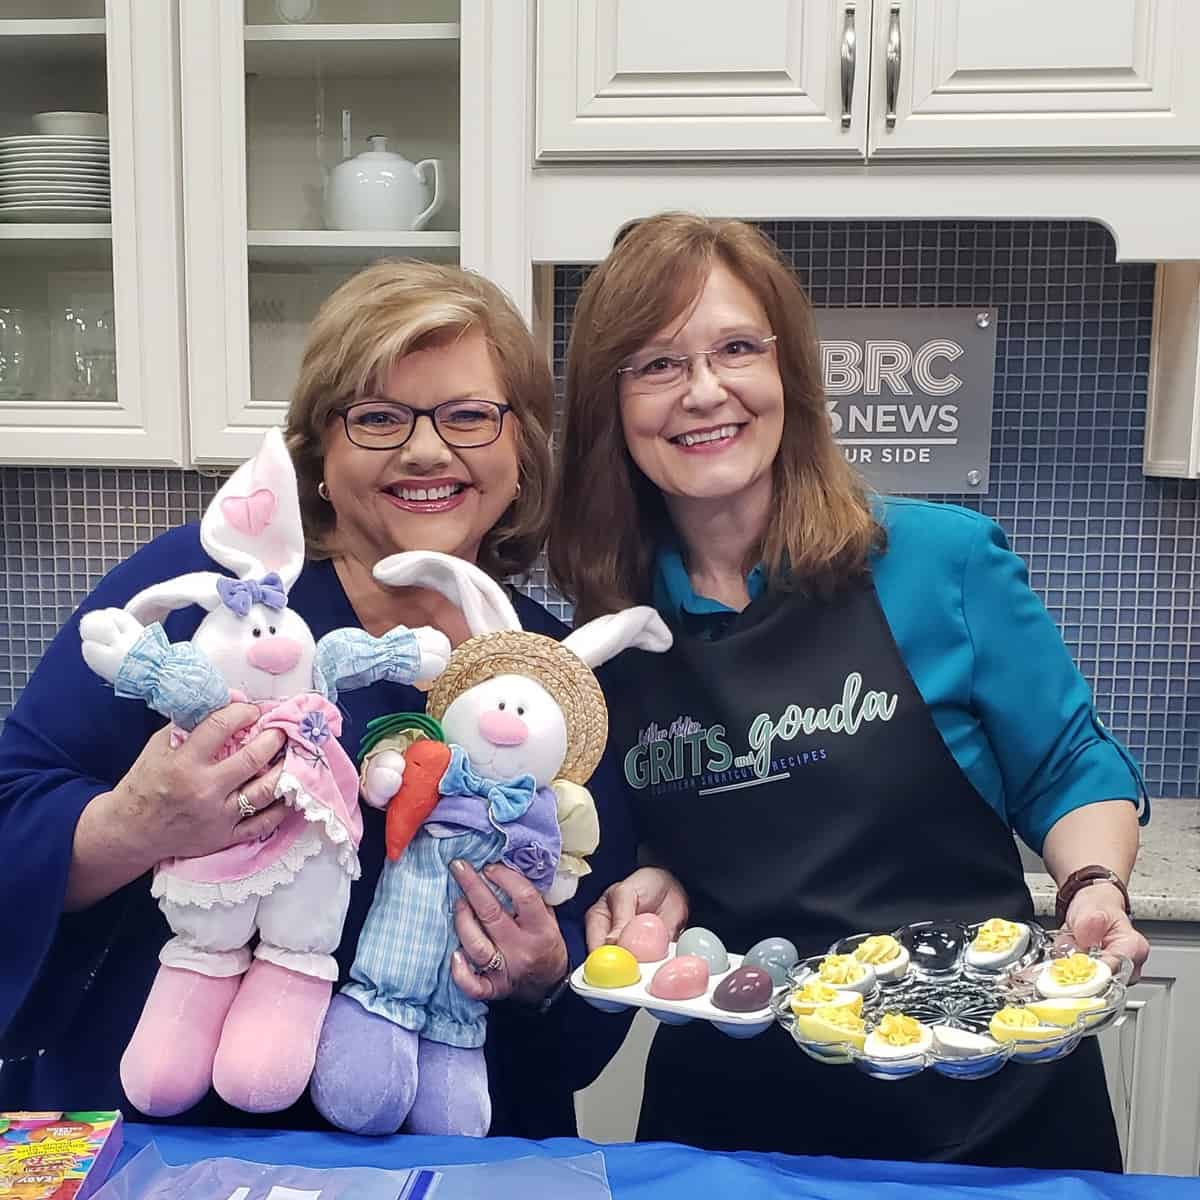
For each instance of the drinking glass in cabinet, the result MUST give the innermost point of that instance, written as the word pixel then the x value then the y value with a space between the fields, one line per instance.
pixel 16 358
pixel 85 354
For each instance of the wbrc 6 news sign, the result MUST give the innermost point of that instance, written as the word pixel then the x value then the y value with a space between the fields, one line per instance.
pixel 909 393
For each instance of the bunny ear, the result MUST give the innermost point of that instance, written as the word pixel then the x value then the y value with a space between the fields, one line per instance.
pixel 638 628
pixel 474 592
pixel 252 525
pixel 153 603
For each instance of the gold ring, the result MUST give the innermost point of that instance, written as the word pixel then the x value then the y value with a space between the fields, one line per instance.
pixel 244 806
pixel 495 963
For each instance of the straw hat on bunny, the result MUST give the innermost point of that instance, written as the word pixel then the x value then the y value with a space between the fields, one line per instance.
pixel 501 647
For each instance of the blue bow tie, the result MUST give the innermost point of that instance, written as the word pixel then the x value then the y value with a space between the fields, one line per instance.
pixel 238 595
pixel 506 801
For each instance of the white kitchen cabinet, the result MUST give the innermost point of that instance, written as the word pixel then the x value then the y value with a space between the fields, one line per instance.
pixel 266 104
pixel 91 347
pixel 1027 77
pixel 788 79
pixel 1173 400
pixel 1152 1060
pixel 695 79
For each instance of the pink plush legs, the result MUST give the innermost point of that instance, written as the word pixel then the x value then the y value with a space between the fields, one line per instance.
pixel 168 1064
pixel 269 1043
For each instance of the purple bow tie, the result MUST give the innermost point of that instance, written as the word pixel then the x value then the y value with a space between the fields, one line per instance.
pixel 239 594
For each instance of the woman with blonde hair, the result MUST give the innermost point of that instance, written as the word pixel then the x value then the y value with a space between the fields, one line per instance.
pixel 863 702
pixel 420 420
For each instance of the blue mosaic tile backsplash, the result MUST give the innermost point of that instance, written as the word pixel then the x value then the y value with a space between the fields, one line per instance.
pixel 1115 555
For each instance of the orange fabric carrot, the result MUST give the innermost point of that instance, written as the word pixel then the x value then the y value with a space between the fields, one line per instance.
pixel 425 763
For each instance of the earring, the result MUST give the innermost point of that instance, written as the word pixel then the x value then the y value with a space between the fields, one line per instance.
pixel 323 491
pixel 518 491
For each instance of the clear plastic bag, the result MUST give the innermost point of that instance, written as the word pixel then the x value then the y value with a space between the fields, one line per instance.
pixel 147 1177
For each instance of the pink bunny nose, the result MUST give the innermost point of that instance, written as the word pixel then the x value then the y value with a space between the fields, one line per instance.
pixel 503 728
pixel 276 655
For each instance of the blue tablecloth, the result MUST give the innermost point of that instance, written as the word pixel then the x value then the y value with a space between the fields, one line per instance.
pixel 664 1172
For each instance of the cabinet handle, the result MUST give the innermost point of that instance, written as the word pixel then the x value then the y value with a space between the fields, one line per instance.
pixel 849 49
pixel 893 64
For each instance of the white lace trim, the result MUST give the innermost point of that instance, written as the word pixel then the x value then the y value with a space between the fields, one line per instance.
pixel 176 890
pixel 317 811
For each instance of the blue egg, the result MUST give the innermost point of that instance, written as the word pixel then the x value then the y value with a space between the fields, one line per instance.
pixel 706 945
pixel 775 955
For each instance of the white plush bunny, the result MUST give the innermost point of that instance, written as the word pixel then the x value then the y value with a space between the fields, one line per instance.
pixel 213 1015
pixel 526 724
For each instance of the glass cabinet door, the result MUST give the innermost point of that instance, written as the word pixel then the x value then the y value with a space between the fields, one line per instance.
pixel 330 130
pixel 90 342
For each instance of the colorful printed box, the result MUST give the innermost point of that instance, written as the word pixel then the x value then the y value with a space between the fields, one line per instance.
pixel 56 1155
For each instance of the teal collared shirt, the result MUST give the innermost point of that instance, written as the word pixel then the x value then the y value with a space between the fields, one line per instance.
pixel 967 626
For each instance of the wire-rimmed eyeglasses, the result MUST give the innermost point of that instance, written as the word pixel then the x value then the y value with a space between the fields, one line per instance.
pixel 387 424
pixel 655 370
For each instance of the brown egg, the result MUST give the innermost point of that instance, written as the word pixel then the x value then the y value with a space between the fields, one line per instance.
pixel 681 978
pixel 745 990
pixel 646 938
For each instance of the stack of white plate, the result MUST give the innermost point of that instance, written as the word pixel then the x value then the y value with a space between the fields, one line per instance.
pixel 54 177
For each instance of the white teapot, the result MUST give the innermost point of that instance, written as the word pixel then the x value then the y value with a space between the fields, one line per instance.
pixel 379 189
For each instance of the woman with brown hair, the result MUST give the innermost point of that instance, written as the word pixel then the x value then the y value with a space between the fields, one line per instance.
pixel 863 702
pixel 420 421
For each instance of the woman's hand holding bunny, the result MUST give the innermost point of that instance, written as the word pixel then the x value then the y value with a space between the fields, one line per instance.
pixel 179 802
pixel 647 890
pixel 519 954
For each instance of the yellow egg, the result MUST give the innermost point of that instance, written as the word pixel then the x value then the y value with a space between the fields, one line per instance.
pixel 611 967
pixel 1063 1010
pixel 814 994
pixel 832 1023
pixel 1021 1025
pixel 998 943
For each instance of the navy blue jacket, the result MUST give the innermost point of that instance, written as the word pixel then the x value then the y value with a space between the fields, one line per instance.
pixel 72 985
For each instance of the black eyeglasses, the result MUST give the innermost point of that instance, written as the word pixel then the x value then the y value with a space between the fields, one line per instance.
pixel 388 424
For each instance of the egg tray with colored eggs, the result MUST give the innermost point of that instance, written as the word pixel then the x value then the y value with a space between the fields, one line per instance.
pixel 693 978
pixel 963 1000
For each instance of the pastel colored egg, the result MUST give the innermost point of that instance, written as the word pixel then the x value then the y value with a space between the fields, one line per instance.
pixel 775 955
pixel 706 945
pixel 683 977
pixel 747 989
pixel 611 967
pixel 646 938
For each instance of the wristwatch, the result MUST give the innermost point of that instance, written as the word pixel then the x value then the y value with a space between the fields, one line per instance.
pixel 1082 878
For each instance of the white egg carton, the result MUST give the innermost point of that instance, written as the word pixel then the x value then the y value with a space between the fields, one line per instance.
pixel 955 995
pixel 676 1012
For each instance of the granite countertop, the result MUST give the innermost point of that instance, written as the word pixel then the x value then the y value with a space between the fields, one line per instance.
pixel 1166 879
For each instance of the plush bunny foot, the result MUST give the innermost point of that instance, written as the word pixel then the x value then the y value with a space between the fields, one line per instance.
pixel 269 1042
pixel 452 1097
pixel 168 1064
pixel 366 1073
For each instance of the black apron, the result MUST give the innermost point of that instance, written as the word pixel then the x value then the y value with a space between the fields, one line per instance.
pixel 854 820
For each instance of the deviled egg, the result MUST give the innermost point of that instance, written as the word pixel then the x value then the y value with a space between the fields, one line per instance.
pixel 997 943
pixel 1015 1024
pixel 1065 1010
pixel 1076 975
pixel 898 1036
pixel 845 971
pixel 961 1043
pixel 884 955
pixel 833 1023
pixel 813 994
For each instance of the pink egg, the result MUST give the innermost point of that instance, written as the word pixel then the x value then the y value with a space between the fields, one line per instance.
pixel 682 978
pixel 646 938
